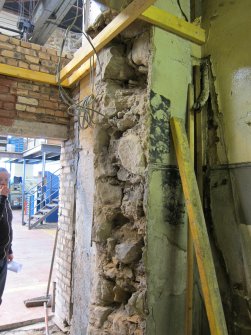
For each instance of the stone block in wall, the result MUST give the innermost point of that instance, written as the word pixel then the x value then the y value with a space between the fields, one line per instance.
pixel 102 227
pixel 131 155
pixel 128 252
pixel 137 303
pixel 123 324
pixel 103 165
pixel 114 64
pixel 104 292
pixel 109 194
pixel 132 203
pixel 99 314
pixel 140 50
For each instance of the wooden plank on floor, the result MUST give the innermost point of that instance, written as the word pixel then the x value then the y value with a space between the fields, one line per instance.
pixel 16 325
pixel 198 228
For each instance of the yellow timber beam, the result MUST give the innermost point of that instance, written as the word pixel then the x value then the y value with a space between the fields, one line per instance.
pixel 81 72
pixel 153 15
pixel 18 72
pixel 174 24
pixel 118 24
pixel 198 229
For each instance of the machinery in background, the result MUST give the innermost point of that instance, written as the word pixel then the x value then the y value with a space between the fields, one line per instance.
pixel 15 196
pixel 41 201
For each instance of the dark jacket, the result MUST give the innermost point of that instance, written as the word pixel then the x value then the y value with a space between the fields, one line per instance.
pixel 5 227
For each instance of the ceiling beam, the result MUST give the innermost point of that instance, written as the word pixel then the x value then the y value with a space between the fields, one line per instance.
pixel 118 24
pixel 47 16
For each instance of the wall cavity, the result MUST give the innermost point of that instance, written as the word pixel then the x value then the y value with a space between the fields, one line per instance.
pixel 228 167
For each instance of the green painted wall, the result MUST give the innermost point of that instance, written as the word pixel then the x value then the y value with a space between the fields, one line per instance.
pixel 166 228
pixel 228 27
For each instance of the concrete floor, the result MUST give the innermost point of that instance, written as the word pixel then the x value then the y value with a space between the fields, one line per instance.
pixel 33 249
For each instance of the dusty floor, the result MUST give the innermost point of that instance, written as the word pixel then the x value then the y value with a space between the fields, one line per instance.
pixel 33 248
pixel 34 330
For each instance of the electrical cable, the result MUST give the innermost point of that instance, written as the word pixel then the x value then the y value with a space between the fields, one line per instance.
pixel 83 109
pixel 183 13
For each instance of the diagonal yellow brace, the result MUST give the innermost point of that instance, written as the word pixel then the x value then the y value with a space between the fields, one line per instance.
pixel 198 229
pixel 118 24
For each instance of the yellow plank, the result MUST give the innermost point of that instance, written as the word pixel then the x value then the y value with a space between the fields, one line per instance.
pixel 190 251
pixel 17 72
pixel 202 248
pixel 118 24
pixel 175 25
pixel 153 15
pixel 85 88
pixel 81 72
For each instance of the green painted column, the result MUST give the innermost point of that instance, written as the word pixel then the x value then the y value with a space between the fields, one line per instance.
pixel 166 216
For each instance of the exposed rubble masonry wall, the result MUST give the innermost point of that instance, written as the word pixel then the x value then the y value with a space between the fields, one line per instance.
pixel 118 290
pixel 228 48
pixel 134 257
pixel 72 43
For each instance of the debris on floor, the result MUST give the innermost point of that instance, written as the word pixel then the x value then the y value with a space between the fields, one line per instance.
pixel 37 329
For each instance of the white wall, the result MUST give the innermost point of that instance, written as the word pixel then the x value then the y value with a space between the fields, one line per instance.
pixel 8 20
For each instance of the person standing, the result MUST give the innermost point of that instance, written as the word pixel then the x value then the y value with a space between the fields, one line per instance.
pixel 6 254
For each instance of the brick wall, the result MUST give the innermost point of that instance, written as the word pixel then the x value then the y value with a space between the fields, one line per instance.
pixel 27 100
pixel 66 223
pixel 29 56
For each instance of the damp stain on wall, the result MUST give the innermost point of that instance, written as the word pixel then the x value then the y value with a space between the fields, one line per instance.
pixel 160 127
pixel 173 200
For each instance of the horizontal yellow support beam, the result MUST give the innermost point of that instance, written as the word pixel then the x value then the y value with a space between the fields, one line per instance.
pixel 153 15
pixel 118 24
pixel 18 72
pixel 79 66
pixel 174 24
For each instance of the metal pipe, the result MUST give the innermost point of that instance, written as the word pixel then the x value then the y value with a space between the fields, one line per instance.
pixel 53 301
pixel 23 192
pixel 10 29
pixel 52 263
pixel 46 319
pixel 30 212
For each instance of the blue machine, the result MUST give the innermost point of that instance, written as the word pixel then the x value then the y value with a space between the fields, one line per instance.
pixel 52 192
pixel 18 142
pixel 49 191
